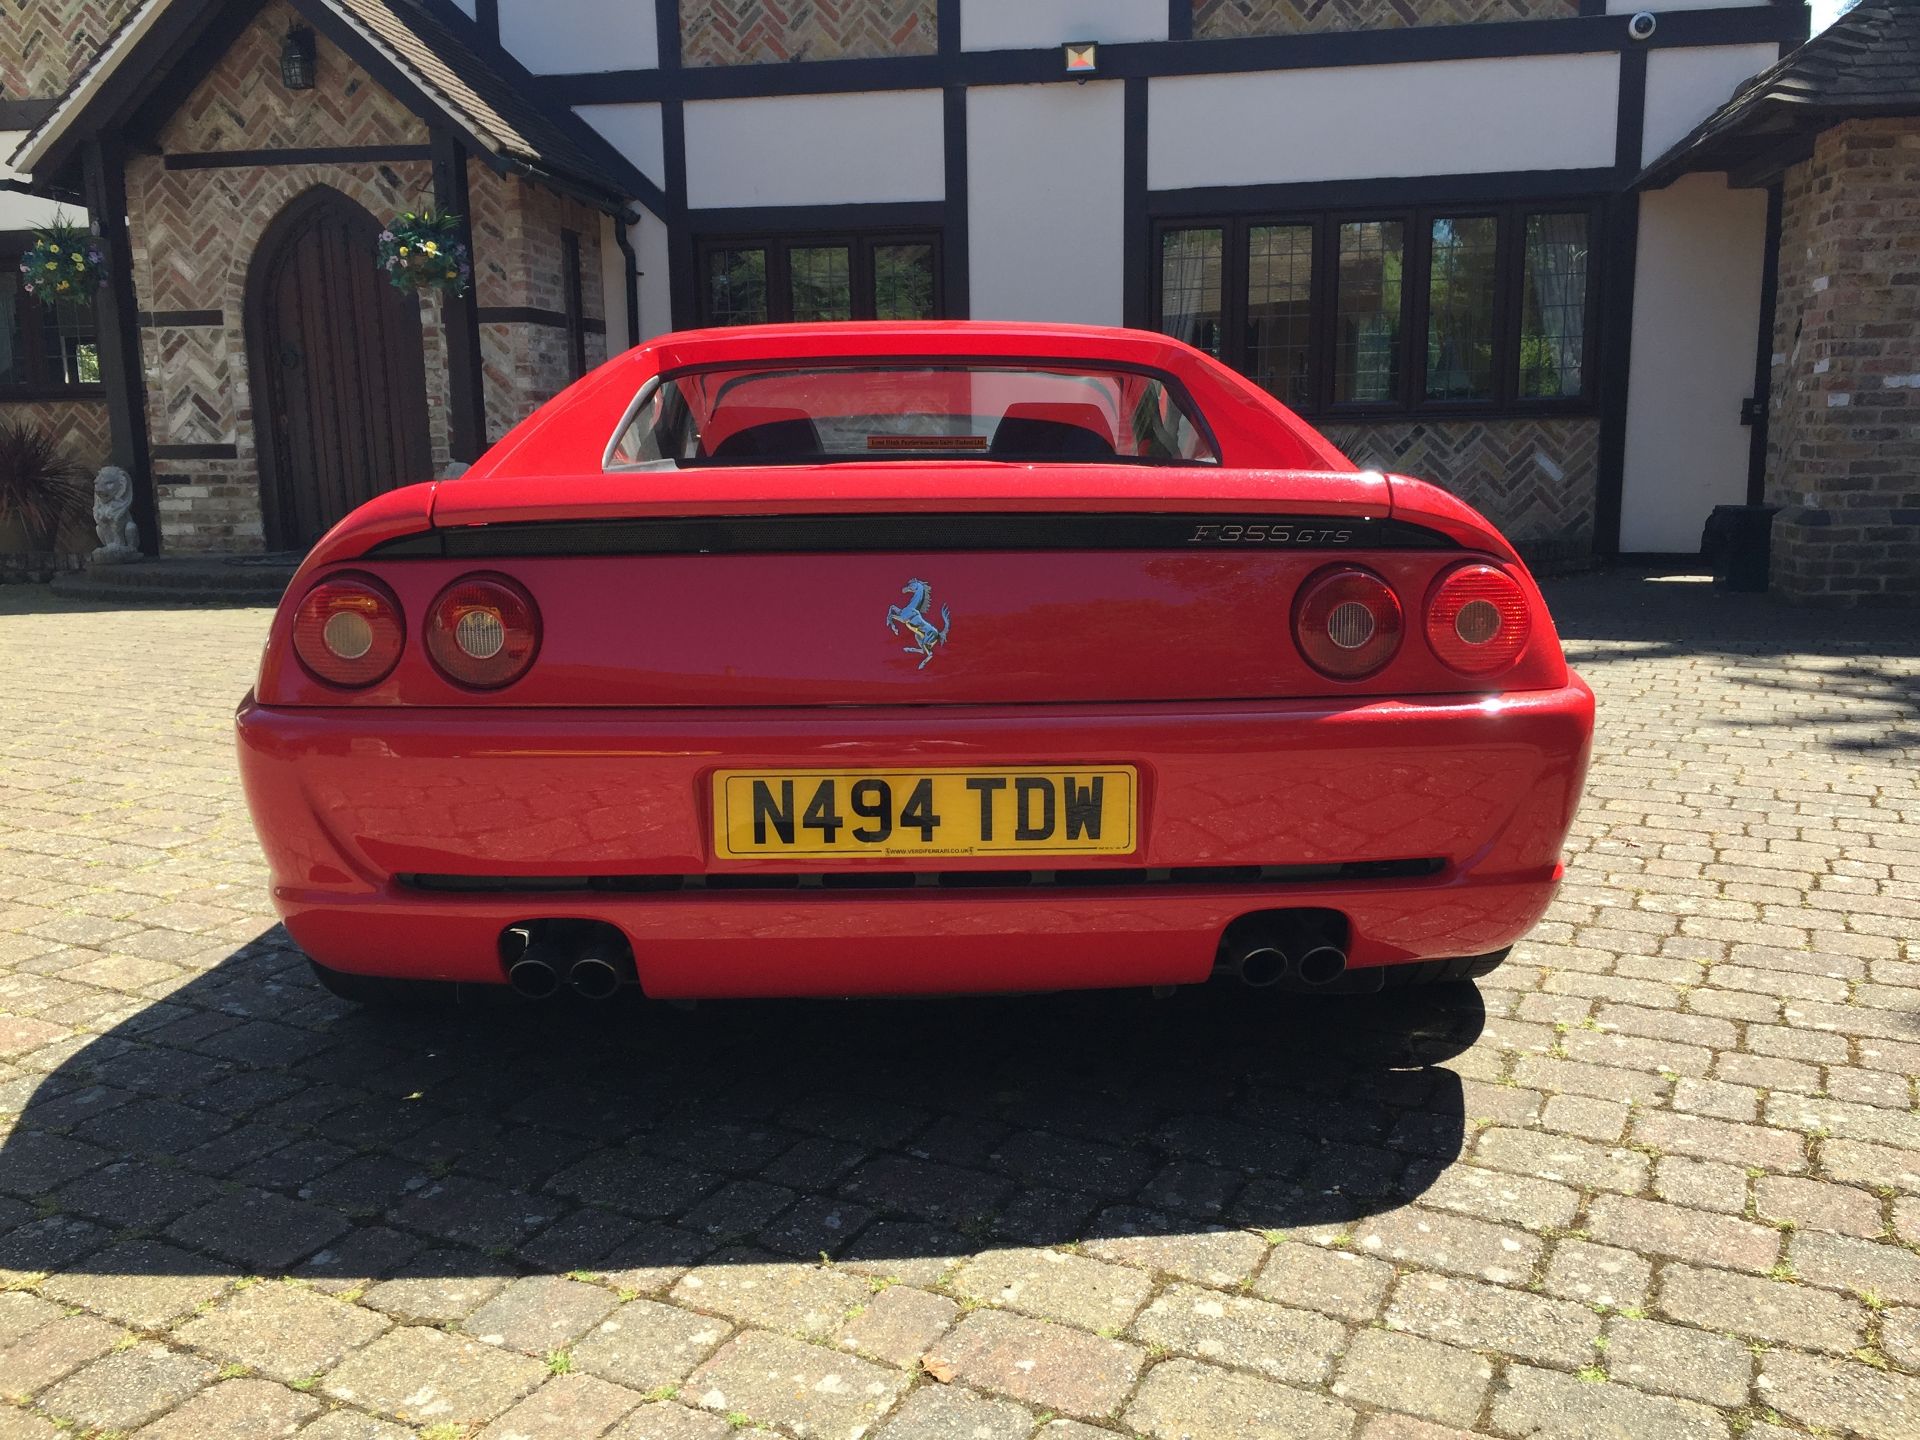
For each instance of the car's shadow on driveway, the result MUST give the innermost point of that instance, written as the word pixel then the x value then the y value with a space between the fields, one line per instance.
pixel 248 1122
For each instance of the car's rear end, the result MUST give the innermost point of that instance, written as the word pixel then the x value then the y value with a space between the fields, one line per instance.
pixel 1103 676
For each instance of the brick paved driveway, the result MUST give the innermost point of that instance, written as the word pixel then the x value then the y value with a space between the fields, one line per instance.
pixel 1659 1177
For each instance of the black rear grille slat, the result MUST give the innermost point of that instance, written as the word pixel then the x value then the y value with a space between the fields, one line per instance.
pixel 867 880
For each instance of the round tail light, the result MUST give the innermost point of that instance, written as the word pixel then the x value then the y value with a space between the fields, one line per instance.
pixel 1478 620
pixel 483 631
pixel 1347 622
pixel 348 631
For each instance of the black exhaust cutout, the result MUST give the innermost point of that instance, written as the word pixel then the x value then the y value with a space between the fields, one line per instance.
pixel 1298 950
pixel 589 957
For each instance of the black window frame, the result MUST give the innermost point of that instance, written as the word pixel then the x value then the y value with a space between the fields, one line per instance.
pixel 1416 272
pixel 34 316
pixel 860 245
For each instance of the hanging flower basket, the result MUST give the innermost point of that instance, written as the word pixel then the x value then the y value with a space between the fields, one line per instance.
pixel 64 264
pixel 426 251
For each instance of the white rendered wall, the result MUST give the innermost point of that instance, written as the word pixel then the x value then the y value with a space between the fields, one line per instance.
pixel 1030 24
pixel 1633 7
pixel 656 294
pixel 1045 202
pixel 1696 322
pixel 1370 121
pixel 1689 83
pixel 27 212
pixel 635 131
pixel 816 149
pixel 569 36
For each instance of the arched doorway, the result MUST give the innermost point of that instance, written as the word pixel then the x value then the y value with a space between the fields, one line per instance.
pixel 338 370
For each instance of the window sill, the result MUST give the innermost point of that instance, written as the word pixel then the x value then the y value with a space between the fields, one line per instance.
pixel 14 393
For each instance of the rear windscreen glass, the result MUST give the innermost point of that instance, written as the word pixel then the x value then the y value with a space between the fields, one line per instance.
pixel 997 410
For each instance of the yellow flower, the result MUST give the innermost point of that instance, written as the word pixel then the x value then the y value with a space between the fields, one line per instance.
pixel 403 249
pixel 63 285
pixel 431 248
pixel 53 249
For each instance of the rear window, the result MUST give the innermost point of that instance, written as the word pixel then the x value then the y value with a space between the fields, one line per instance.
pixel 991 410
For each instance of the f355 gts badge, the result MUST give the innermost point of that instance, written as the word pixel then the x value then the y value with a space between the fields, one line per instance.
pixel 913 615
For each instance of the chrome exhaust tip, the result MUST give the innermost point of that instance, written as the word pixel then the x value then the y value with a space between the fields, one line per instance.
pixel 1323 965
pixel 593 978
pixel 1264 965
pixel 533 975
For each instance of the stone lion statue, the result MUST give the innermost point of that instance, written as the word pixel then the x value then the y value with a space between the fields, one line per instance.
pixel 113 517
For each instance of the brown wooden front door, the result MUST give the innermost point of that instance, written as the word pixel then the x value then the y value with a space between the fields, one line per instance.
pixel 339 371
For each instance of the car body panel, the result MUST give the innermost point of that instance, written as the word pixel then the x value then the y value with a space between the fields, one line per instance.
pixel 695 620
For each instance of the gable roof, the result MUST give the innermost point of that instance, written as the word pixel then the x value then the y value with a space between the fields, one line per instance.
pixel 489 99
pixel 1866 63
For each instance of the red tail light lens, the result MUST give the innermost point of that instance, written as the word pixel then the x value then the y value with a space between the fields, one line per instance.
pixel 483 631
pixel 348 631
pixel 1347 622
pixel 1478 620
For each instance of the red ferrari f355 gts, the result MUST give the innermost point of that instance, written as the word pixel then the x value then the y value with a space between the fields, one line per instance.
pixel 873 658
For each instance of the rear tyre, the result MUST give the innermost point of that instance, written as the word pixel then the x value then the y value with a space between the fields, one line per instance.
pixel 378 991
pixel 1441 972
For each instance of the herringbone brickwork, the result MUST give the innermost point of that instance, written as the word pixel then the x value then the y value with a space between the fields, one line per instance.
pixel 1217 19
pixel 1533 478
pixel 195 237
pixel 44 43
pixel 749 32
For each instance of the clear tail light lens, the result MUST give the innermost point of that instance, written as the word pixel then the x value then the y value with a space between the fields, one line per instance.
pixel 348 631
pixel 483 631
pixel 1478 620
pixel 1347 622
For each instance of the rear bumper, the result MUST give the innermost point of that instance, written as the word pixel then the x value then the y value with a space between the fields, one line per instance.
pixel 347 802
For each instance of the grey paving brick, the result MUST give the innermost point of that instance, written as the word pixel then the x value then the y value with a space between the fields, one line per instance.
pixel 1055 1285
pixel 1653 1228
pixel 1434 1240
pixel 1773 1310
pixel 1282 1343
pixel 1491 1317
pixel 1675 1360
pixel 1181 1400
pixel 1597 1275
pixel 1336 1282
pixel 794 1385
pixel 898 1324
pixel 236 1410
pixel 645 1344
pixel 1050 1367
pixel 281 1330
pixel 127 1388
pixel 764 1290
pixel 1554 1406
pixel 1402 1372
pixel 541 1313
pixel 567 1407
pixel 1127 1235
pixel 935 1412
pixel 1838 1396
pixel 423 1376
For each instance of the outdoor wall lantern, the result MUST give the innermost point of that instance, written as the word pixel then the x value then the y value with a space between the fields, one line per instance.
pixel 296 59
pixel 1082 57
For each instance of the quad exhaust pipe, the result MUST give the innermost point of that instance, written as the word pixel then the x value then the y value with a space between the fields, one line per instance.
pixel 588 958
pixel 1298 949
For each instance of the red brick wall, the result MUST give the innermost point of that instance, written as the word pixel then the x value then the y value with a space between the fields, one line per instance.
pixel 43 43
pixel 751 32
pixel 1844 425
pixel 1213 19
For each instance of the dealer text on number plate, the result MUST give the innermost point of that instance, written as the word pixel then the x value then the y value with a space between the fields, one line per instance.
pixel 1015 810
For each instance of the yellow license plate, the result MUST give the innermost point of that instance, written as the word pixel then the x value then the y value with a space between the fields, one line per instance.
pixel 1015 810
